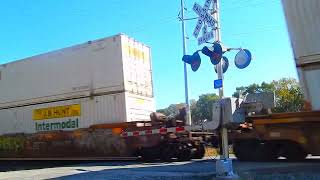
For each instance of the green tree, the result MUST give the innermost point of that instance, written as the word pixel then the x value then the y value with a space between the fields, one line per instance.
pixel 200 110
pixel 203 108
pixel 254 88
pixel 289 97
pixel 171 110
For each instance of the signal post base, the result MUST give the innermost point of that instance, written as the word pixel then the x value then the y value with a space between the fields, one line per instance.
pixel 224 170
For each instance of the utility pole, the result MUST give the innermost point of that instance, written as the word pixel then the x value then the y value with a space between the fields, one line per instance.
pixel 185 66
pixel 224 130
pixel 224 164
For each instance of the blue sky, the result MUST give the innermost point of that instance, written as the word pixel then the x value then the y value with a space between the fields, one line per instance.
pixel 34 26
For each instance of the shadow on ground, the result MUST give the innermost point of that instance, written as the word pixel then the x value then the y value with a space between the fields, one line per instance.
pixel 193 170
pixel 280 169
pixel 6 166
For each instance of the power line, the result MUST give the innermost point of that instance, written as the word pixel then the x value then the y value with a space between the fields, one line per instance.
pixel 243 34
pixel 159 23
pixel 263 2
pixel 253 32
pixel 243 4
pixel 240 34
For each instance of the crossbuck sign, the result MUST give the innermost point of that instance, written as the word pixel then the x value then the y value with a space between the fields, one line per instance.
pixel 205 19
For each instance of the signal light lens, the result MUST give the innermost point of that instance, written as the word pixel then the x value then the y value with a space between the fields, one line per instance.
pixel 194 60
pixel 215 54
pixel 242 59
pixel 225 64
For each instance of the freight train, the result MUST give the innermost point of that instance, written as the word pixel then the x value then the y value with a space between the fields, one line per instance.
pixel 90 100
pixel 266 136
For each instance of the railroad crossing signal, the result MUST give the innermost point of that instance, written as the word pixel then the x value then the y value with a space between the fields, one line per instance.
pixel 194 60
pixel 225 65
pixel 204 19
pixel 215 54
pixel 243 58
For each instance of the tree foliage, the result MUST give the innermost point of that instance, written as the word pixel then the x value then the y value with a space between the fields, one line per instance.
pixel 203 107
pixel 172 110
pixel 289 97
pixel 200 110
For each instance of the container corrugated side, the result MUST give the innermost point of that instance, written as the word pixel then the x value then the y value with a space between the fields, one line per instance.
pixel 92 68
pixel 139 107
pixel 137 67
pixel 303 19
pixel 98 110
pixel 309 79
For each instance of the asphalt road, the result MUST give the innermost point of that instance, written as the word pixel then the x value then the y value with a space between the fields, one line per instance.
pixel 132 170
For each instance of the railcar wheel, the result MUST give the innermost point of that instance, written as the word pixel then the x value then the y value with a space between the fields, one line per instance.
pixel 200 152
pixel 183 152
pixel 167 153
pixel 294 152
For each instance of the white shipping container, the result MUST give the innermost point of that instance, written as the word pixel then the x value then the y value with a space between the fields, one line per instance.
pixel 303 21
pixel 99 82
pixel 105 109
pixel 110 65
